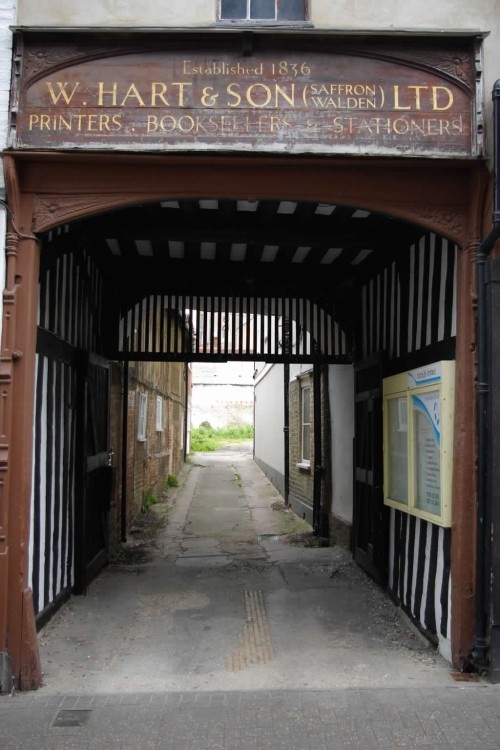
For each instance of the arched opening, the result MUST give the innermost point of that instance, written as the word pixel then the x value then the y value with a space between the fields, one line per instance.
pixel 332 252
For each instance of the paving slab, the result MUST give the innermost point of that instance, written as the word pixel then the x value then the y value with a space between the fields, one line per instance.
pixel 383 719
pixel 232 634
pixel 225 601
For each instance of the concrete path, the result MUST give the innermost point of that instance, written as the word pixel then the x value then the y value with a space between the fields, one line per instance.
pixel 220 633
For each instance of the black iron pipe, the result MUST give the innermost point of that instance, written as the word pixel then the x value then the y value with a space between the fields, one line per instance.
pixel 480 646
pixel 286 430
pixel 124 452
pixel 185 426
pixel 496 142
pixel 318 449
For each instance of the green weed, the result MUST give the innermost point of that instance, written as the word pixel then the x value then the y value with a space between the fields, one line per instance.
pixel 148 500
pixel 206 438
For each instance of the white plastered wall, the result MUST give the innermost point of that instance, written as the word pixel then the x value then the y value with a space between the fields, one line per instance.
pixel 269 440
pixel 338 15
pixel 7 18
pixel 269 418
pixel 341 394
pixel 117 13
pixel 222 393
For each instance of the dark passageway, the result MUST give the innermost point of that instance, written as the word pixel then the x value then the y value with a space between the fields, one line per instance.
pixel 224 601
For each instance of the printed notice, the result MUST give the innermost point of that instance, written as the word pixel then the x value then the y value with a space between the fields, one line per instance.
pixel 427 437
pixel 398 449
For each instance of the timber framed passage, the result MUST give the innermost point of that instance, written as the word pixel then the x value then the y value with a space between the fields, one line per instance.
pixel 230 328
pixel 70 192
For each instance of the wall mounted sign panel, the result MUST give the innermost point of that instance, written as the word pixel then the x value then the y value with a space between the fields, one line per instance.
pixel 351 100
pixel 418 441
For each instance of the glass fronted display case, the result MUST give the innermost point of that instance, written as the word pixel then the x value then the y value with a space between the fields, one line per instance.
pixel 418 441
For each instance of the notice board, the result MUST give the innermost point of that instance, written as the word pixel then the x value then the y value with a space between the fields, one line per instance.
pixel 418 441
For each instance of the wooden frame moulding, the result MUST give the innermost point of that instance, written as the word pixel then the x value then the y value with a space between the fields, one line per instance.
pixel 46 190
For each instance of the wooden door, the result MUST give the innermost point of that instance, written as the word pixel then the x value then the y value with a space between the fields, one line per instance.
pixel 371 518
pixel 97 473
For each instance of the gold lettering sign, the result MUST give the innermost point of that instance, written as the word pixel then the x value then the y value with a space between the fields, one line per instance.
pixel 308 102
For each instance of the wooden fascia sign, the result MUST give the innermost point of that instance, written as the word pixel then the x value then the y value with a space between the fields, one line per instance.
pixel 404 101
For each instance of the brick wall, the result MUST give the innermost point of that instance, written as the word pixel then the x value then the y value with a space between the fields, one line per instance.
pixel 149 461
pixel 160 454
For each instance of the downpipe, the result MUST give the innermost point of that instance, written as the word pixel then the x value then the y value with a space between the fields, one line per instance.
pixel 125 389
pixel 479 655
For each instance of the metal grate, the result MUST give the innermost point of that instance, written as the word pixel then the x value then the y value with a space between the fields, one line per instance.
pixel 72 717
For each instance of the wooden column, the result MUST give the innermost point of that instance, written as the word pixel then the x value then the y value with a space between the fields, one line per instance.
pixel 17 395
pixel 5 424
pixel 463 548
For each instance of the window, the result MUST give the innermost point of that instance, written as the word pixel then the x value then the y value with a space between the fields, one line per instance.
pixel 142 417
pixel 159 414
pixel 262 10
pixel 306 425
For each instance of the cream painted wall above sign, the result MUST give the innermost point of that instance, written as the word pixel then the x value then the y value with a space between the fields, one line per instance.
pixel 334 14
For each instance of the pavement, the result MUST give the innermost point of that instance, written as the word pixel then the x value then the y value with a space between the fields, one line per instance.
pixel 217 627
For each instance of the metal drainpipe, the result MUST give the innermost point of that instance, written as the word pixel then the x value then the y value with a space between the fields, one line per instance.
pixel 124 452
pixel 286 430
pixel 318 450
pixel 186 410
pixel 480 647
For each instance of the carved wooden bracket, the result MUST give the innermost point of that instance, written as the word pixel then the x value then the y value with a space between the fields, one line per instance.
pixel 55 210
pixel 445 220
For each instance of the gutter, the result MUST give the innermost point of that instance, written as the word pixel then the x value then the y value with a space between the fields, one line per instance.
pixel 481 641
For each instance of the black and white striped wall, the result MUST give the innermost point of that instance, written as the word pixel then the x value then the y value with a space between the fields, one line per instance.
pixel 70 315
pixel 419 574
pixel 409 309
pixel 411 304
pixel 52 511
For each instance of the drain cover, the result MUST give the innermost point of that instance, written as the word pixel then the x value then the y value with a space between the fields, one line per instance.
pixel 71 718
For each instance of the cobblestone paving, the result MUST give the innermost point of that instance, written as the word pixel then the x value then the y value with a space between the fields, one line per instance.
pixel 455 718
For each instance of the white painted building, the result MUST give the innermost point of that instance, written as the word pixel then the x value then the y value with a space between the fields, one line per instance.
pixel 222 393
pixel 270 444
pixel 7 20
